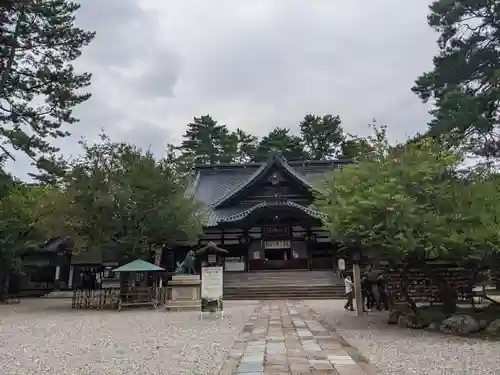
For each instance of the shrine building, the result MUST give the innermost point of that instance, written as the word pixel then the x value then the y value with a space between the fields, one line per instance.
pixel 263 214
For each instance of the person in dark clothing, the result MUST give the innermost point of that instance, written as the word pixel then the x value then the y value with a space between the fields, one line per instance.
pixel 366 292
pixel 384 296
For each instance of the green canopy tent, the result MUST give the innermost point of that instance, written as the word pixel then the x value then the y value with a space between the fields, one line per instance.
pixel 134 284
pixel 139 265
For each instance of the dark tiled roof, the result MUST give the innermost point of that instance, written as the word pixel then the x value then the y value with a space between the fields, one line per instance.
pixel 52 245
pixel 274 160
pixel 214 184
pixel 96 256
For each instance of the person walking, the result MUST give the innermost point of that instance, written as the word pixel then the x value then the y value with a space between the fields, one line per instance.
pixel 349 291
pixel 384 295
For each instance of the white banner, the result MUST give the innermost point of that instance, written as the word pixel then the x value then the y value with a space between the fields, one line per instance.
pixel 211 283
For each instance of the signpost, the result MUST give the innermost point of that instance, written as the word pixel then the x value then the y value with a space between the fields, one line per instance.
pixel 212 289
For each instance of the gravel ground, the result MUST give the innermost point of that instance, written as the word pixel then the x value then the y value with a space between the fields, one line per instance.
pixel 410 352
pixel 48 337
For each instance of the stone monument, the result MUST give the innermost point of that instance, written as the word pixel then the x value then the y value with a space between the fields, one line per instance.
pixel 184 292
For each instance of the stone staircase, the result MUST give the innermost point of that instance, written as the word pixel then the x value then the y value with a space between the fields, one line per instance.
pixel 260 285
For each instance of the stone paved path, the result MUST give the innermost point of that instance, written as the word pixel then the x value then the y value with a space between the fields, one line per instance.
pixel 285 338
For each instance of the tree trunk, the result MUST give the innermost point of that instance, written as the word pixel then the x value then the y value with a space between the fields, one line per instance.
pixel 404 285
pixel 446 295
pixel 4 285
pixel 404 288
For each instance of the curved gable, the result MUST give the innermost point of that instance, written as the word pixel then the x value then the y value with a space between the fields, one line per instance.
pixel 275 160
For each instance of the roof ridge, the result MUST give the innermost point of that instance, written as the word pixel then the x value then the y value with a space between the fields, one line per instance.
pixel 273 158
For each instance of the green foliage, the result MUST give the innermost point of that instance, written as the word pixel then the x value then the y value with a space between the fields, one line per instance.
pixel 247 146
pixel 119 197
pixel 465 79
pixel 204 140
pixel 322 136
pixel 355 148
pixel 208 142
pixel 280 139
pixel 38 85
pixel 399 201
pixel 6 180
pixel 21 222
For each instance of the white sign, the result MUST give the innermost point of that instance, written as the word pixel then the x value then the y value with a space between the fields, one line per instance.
pixel 158 257
pixel 341 264
pixel 212 258
pixel 235 266
pixel 211 283
pixel 282 244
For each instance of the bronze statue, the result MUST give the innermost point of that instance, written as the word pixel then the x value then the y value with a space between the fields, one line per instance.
pixel 187 265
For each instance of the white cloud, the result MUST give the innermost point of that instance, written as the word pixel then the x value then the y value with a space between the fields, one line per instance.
pixel 254 65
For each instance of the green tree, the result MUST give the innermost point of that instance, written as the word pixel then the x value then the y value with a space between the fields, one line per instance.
pixel 465 80
pixel 406 204
pixel 229 147
pixel 246 146
pixel 38 85
pixel 322 136
pixel 207 142
pixel 280 139
pixel 6 180
pixel 354 148
pixel 120 198
pixel 21 225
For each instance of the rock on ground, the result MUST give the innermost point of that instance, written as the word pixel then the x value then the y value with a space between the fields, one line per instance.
pixel 48 337
pixel 398 351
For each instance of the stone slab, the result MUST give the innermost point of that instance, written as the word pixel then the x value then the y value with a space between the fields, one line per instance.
pixel 272 342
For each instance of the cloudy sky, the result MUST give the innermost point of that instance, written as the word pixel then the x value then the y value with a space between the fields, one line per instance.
pixel 253 64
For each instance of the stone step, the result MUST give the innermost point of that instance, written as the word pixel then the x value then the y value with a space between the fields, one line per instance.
pixel 283 285
pixel 280 274
pixel 282 290
pixel 280 297
pixel 288 287
pixel 284 293
pixel 267 280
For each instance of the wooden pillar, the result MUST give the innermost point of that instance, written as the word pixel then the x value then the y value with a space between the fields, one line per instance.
pixel 357 288
pixel 70 277
pixel 57 282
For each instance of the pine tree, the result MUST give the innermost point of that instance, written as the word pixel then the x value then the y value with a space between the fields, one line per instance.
pixel 465 79
pixel 39 87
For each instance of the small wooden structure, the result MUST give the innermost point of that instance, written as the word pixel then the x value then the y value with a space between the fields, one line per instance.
pixel 140 285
